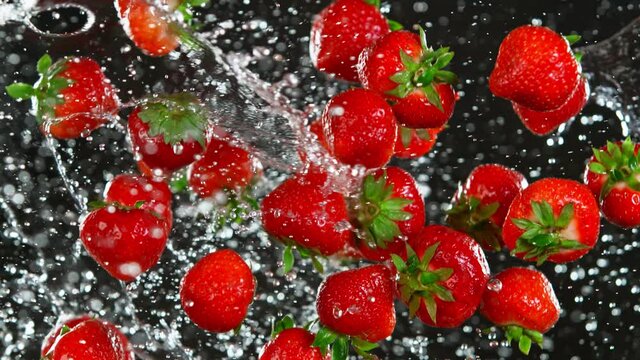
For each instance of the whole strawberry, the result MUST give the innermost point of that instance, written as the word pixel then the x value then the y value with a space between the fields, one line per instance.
pixel 521 301
pixel 72 97
pixel 414 143
pixel 443 276
pixel 480 205
pixel 290 343
pixel 553 219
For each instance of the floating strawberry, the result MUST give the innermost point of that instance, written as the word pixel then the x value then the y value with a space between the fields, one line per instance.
pixel 553 219
pixel 217 291
pixel 521 301
pixel 290 343
pixel 360 128
pixel 480 206
pixel 71 98
pixel 414 143
pixel 355 306
pixel 411 75
pixel 443 276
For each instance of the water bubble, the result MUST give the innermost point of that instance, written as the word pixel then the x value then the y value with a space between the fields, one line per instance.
pixel 494 285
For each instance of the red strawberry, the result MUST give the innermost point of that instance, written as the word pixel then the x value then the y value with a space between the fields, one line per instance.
pixel 355 305
pixel 148 27
pixel 71 98
pixel 613 175
pixel 341 31
pixel 217 291
pixel 359 128
pixel 125 241
pixel 535 68
pixel 409 73
pixel 544 122
pixel 414 143
pixel 290 343
pixel 523 302
pixel 553 219
pixel 396 246
pixel 443 277
pixel 480 206
pixel 168 132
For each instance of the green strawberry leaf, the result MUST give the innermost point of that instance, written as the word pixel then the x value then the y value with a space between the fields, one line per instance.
pixel 44 63
pixel 340 349
pixel 20 91
pixel 287 259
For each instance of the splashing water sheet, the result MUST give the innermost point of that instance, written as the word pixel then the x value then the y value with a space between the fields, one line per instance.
pixel 251 69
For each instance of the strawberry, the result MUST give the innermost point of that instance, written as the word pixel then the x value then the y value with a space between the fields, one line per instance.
pixel 125 241
pixel 402 67
pixel 553 219
pixel 480 206
pixel 217 291
pixel 169 132
pixel 613 175
pixel 355 306
pixel 442 277
pixel 521 301
pixel 341 31
pixel 290 343
pixel 544 122
pixel 360 128
pixel 148 26
pixel 71 98
pixel 535 68
pixel 414 143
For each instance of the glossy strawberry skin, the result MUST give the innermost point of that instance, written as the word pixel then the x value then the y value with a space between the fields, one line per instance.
pixel 125 243
pixel 358 303
pixel 217 291
pixel 292 344
pixel 465 257
pixel 404 186
pixel 522 297
pixel 340 32
pixel 128 189
pixel 360 128
pixel 418 146
pixel 415 110
pixel 535 68
pixel 397 246
pixel 147 26
pixel 545 122
pixel 91 340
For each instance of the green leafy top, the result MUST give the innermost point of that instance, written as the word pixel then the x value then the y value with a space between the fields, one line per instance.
pixel 328 340
pixel 470 216
pixel 186 9
pixel 524 337
pixel 572 39
pixel 406 134
pixel 281 325
pixel 619 163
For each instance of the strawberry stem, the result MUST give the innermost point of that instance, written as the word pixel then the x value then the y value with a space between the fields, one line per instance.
pixel 524 337
pixel 472 217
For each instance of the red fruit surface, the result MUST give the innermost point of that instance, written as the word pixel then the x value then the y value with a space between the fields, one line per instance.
pixel 415 111
pixel 404 187
pixel 217 291
pixel 292 344
pixel 621 206
pixel 418 146
pixel 397 246
pixel 340 32
pixel 358 303
pixel 128 189
pixel 91 340
pixel 147 26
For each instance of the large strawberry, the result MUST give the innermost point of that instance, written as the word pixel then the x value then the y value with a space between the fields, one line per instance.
pixel 414 143
pixel 480 205
pixel 613 175
pixel 553 219
pixel 403 67
pixel 535 68
pixel 217 291
pixel 359 128
pixel 341 31
pixel 355 306
pixel 443 276
pixel 290 343
pixel 71 98
pixel 521 301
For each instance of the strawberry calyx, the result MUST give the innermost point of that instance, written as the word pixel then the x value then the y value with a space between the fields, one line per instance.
pixel 524 337
pixel 281 325
pixel 542 236
pixel 238 207
pixel 572 39
pixel 419 283
pixel 288 258
pixel 328 340
pixel 470 216
pixel 100 204
pixel 185 8
pixel 406 135
pixel 619 163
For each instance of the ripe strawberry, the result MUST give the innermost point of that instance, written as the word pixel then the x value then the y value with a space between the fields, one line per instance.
pixel 359 128
pixel 169 131
pixel 290 343
pixel 148 26
pixel 125 241
pixel 341 31
pixel 613 175
pixel 217 291
pixel 521 301
pixel 414 143
pixel 535 68
pixel 409 73
pixel 553 219
pixel 544 122
pixel 480 206
pixel 71 98
pixel 443 277
pixel 355 306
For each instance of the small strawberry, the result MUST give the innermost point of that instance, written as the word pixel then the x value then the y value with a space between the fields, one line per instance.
pixel 553 219
pixel 411 75
pixel 148 26
pixel 613 175
pixel 71 98
pixel 341 31
pixel 443 276
pixel 521 301
pixel 535 68
pixel 360 128
pixel 480 206
pixel 217 291
pixel 125 241
pixel 414 143
pixel 290 343
pixel 355 306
